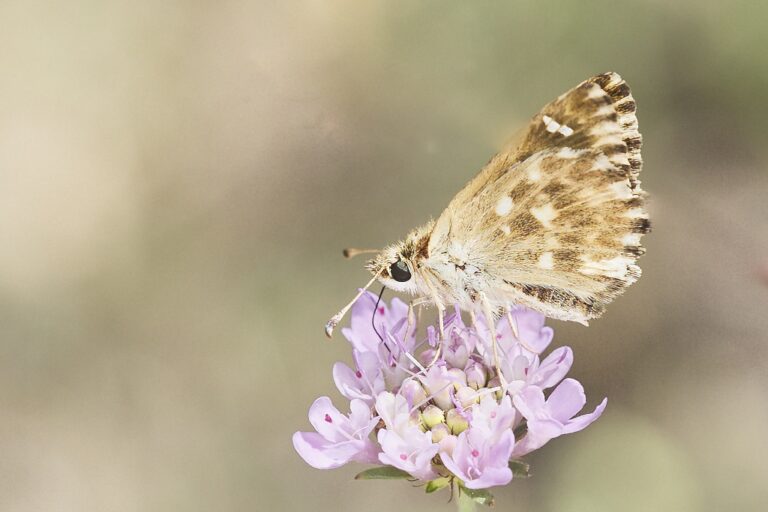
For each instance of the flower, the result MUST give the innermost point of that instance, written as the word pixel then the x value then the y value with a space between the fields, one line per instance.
pixel 437 410
pixel 481 462
pixel 339 439
pixel 552 417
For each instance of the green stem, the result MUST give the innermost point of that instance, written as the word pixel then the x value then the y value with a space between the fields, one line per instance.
pixel 464 502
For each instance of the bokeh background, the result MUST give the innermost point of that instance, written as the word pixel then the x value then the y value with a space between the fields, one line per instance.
pixel 177 180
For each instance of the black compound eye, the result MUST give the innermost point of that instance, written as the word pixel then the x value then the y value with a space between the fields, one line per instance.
pixel 399 271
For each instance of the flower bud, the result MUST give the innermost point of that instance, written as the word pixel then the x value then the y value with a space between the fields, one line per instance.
pixel 458 376
pixel 456 422
pixel 432 416
pixel 440 432
pixel 495 382
pixel 466 396
pixel 476 375
pixel 413 392
pixel 447 443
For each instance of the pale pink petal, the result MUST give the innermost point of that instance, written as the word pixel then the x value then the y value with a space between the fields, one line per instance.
pixel 566 400
pixel 553 368
pixel 327 420
pixel 530 402
pixel 583 421
pixel 320 453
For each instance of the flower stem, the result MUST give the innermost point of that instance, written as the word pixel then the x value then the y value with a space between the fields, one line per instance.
pixel 465 503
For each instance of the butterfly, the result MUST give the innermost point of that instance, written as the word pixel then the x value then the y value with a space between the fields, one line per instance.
pixel 552 223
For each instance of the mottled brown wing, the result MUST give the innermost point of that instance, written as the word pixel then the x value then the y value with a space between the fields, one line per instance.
pixel 556 224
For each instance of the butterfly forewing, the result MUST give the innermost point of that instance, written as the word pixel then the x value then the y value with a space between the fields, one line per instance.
pixel 556 223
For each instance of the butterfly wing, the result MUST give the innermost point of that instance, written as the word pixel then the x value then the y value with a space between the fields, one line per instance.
pixel 555 224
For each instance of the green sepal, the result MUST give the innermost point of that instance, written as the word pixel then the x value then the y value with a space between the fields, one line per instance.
pixel 383 473
pixel 520 469
pixel 480 496
pixel 437 484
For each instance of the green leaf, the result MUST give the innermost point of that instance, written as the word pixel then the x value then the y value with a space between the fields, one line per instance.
pixel 437 484
pixel 481 496
pixel 520 469
pixel 382 473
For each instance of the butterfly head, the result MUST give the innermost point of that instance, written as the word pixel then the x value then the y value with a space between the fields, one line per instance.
pixel 397 266
pixel 394 269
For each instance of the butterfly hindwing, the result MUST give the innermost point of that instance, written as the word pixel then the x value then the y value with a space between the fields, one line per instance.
pixel 556 223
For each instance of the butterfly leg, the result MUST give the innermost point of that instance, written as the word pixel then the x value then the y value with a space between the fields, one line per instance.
pixel 435 299
pixel 411 317
pixel 441 335
pixel 516 331
pixel 488 313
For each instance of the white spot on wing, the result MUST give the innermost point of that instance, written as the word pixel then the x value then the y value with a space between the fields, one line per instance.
pixel 534 171
pixel 636 213
pixel 614 267
pixel 504 206
pixel 604 111
pixel 631 239
pixel 544 214
pixel 621 189
pixel 505 229
pixel 605 128
pixel 569 153
pixel 550 124
pixel 545 261
pixel 602 163
pixel 595 92
pixel 553 126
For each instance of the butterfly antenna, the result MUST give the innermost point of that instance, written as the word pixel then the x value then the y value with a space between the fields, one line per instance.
pixel 335 319
pixel 351 252
pixel 373 317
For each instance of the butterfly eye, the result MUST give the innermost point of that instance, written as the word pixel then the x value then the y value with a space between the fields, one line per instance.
pixel 399 271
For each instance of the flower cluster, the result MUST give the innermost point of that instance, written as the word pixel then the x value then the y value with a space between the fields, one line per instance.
pixel 441 412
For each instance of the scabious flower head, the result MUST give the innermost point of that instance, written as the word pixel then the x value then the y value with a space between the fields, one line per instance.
pixel 440 412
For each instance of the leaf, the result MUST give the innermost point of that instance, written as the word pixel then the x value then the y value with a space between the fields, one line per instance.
pixel 520 469
pixel 481 496
pixel 382 473
pixel 437 484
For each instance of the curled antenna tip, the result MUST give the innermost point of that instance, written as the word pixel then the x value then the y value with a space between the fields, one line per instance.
pixel 330 326
pixel 346 253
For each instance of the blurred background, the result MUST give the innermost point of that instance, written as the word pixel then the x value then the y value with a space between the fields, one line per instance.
pixel 177 180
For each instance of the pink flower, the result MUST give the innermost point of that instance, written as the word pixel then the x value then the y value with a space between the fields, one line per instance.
pixel 391 323
pixel 409 449
pixel 460 341
pixel 481 462
pixel 404 445
pixel 493 418
pixel 526 369
pixel 438 381
pixel 448 417
pixel 530 326
pixel 363 383
pixel 553 417
pixel 339 439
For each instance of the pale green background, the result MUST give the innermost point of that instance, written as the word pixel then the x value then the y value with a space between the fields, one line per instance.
pixel 177 180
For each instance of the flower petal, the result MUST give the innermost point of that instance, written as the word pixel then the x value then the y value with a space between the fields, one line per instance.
pixel 491 477
pixel 320 453
pixel 530 402
pixel 566 400
pixel 553 368
pixel 393 410
pixel 348 383
pixel 583 421
pixel 327 419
